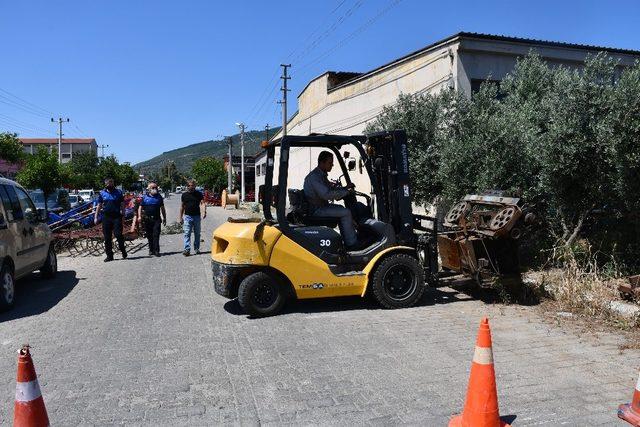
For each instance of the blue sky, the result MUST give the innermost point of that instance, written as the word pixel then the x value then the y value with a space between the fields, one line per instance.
pixel 146 76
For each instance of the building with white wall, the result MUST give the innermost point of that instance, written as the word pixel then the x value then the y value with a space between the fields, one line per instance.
pixel 69 146
pixel 344 102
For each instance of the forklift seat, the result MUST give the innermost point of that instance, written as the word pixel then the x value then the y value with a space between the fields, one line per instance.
pixel 299 212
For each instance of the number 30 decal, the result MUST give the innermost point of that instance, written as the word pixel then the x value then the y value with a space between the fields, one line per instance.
pixel 325 242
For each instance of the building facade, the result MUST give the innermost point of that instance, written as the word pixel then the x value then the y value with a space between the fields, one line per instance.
pixel 69 146
pixel 344 102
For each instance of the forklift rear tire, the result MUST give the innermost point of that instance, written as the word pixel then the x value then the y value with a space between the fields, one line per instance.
pixel 260 295
pixel 398 281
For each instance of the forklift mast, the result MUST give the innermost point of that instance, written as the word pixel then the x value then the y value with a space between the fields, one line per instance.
pixel 389 159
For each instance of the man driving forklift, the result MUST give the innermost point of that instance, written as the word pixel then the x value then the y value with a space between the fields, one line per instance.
pixel 319 191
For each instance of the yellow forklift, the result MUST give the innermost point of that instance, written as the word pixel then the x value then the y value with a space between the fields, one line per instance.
pixel 265 262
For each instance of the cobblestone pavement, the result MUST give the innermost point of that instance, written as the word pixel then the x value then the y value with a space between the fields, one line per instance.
pixel 147 341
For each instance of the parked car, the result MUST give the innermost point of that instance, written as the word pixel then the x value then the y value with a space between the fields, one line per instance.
pixel 26 242
pixel 86 194
pixel 57 201
pixel 75 200
pixel 179 189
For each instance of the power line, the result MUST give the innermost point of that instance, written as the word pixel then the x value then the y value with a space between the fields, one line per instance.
pixel 12 127
pixel 330 30
pixel 273 81
pixel 354 34
pixel 8 101
pixel 17 122
pixel 24 101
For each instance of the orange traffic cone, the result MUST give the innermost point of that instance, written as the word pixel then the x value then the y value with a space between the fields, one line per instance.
pixel 29 408
pixel 630 412
pixel 481 406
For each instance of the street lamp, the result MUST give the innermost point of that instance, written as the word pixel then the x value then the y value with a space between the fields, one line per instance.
pixel 241 126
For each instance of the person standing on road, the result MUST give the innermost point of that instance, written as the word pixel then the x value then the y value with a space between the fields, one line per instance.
pixel 191 210
pixel 152 214
pixel 111 201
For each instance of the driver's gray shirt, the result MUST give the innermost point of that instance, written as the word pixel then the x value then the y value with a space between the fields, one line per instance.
pixel 318 190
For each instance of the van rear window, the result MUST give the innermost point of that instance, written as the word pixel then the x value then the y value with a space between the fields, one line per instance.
pixel 11 203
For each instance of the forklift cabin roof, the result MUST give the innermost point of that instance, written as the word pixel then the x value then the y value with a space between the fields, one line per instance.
pixel 317 140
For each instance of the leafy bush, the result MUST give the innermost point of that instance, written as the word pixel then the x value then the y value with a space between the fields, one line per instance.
pixel 566 140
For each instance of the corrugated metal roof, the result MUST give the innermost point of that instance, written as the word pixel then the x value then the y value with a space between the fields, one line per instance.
pixel 489 37
pixel 546 42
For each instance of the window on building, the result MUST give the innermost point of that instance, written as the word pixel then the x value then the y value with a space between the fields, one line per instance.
pixel 257 170
pixel 264 168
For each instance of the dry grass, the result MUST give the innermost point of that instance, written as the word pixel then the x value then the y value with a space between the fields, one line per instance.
pixel 582 294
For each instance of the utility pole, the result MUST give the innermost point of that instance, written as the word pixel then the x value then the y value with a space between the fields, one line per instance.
pixel 229 179
pixel 266 132
pixel 284 90
pixel 60 121
pixel 102 147
pixel 241 126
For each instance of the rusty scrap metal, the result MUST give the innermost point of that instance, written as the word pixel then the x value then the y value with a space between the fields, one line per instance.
pixel 480 236
pixel 632 287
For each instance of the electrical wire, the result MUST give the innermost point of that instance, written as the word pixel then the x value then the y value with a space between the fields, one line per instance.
pixel 23 103
pixel 292 57
pixel 17 122
pixel 353 35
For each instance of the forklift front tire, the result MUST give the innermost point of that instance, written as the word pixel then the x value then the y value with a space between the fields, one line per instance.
pixel 398 281
pixel 260 295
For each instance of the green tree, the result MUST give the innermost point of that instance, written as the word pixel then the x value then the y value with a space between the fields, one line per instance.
pixel 127 175
pixel 566 140
pixel 41 170
pixel 11 149
pixel 81 171
pixel 210 173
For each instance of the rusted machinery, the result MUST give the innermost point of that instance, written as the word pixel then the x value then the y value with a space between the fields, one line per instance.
pixel 480 236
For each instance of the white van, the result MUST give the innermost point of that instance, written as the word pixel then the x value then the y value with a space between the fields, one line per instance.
pixel 25 240
pixel 179 189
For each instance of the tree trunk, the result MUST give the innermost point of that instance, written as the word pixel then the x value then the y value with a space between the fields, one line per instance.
pixel 574 235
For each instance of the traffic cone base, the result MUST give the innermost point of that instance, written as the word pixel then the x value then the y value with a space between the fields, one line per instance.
pixel 458 422
pixel 626 412
pixel 481 404
pixel 630 412
pixel 29 409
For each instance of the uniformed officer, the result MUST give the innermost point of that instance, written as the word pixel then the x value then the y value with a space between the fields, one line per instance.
pixel 111 201
pixel 151 212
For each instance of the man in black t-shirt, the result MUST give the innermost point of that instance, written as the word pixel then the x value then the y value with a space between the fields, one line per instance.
pixel 191 210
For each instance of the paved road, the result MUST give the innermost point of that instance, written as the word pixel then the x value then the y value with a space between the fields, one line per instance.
pixel 147 341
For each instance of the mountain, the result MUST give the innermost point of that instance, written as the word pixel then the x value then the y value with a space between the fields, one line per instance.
pixel 185 156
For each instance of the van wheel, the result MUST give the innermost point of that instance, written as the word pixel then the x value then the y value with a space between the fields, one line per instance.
pixel 7 288
pixel 50 267
pixel 398 281
pixel 260 295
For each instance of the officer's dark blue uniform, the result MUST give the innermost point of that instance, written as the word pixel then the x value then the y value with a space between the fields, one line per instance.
pixel 112 220
pixel 151 205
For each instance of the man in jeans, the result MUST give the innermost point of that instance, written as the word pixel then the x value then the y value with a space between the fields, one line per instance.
pixel 191 209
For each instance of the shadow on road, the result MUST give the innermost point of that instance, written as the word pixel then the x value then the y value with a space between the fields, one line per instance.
pixel 35 295
pixel 432 296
